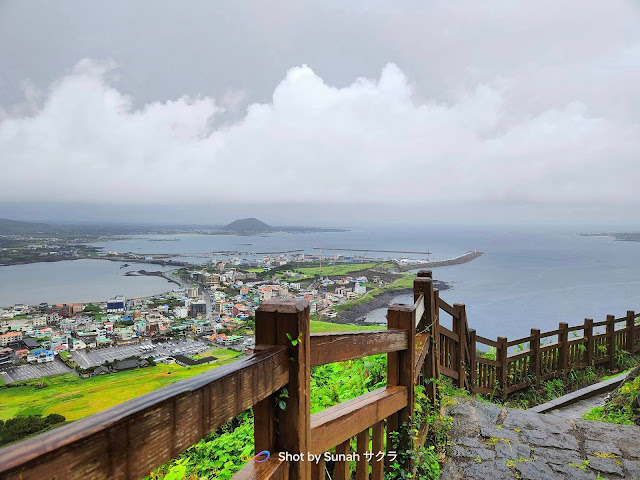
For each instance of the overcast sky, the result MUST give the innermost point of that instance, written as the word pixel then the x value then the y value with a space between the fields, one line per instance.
pixel 303 112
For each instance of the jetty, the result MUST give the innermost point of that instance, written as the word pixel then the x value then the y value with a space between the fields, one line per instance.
pixel 467 257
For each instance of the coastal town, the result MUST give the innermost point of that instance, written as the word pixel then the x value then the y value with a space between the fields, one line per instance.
pixel 211 310
pixel 208 315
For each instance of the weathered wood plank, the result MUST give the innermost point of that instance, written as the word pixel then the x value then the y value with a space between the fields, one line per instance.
pixel 419 308
pixel 403 316
pixel 340 346
pixel 272 469
pixel 342 469
pixel 290 320
pixel 423 343
pixel 448 372
pixel 362 464
pixel 339 423
pixel 486 341
pixel 519 341
pixel 156 426
pixel 519 355
pixel 448 333
pixel 377 441
pixel 487 361
pixel 317 469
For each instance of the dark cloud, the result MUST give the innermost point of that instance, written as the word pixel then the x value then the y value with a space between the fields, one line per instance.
pixel 531 105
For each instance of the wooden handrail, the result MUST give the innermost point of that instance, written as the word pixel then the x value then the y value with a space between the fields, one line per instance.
pixel 272 469
pixel 486 341
pixel 518 341
pixel 488 361
pixel 446 307
pixel 340 346
pixel 449 334
pixel 131 439
pixel 519 355
pixel 339 423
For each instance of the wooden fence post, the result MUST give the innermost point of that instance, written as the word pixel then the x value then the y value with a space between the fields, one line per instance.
pixel 430 369
pixel 501 356
pixel 419 289
pixel 588 340
pixel 563 338
pixel 473 381
pixel 534 346
pixel 425 274
pixel 286 322
pixel 631 331
pixel 401 371
pixel 611 341
pixel 459 329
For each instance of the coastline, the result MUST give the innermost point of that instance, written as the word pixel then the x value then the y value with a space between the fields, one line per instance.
pixel 467 257
pixel 357 313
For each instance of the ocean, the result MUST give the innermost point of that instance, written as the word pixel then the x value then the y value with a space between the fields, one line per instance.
pixel 528 277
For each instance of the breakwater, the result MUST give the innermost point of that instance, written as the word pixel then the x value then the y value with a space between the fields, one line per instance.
pixel 467 257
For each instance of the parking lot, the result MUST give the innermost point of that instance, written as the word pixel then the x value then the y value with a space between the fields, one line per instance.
pixel 185 347
pixel 94 358
pixel 28 372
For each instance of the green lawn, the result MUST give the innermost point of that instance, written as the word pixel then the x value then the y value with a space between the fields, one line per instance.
pixel 222 354
pixel 335 270
pixel 75 398
pixel 318 326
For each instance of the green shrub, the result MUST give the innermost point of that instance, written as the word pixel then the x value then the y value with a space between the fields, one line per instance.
pixel 20 427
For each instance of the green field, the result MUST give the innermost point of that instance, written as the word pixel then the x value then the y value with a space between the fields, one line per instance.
pixel 318 326
pixel 75 398
pixel 405 281
pixel 335 270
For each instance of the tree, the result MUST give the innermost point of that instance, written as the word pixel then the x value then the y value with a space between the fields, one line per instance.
pixel 17 428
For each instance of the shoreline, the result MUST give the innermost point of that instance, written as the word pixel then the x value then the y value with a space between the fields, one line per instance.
pixel 467 257
pixel 356 314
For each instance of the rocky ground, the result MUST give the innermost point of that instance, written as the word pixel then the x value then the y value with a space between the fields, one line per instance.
pixel 490 442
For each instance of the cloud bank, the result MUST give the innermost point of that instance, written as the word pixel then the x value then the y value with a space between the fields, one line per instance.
pixel 373 141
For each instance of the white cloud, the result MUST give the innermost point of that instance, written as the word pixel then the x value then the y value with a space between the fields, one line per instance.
pixel 372 141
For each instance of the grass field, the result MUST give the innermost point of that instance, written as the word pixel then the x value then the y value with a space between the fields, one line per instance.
pixel 75 398
pixel 318 326
pixel 335 270
pixel 405 281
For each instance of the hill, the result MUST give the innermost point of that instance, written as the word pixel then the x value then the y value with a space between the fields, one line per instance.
pixel 15 227
pixel 248 225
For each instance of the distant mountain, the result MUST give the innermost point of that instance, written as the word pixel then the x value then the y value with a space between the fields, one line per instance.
pixel 15 227
pixel 248 225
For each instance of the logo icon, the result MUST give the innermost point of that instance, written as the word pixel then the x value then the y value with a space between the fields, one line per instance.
pixel 261 457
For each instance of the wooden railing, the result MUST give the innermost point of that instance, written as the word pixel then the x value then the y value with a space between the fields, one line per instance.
pixel 525 362
pixel 130 440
